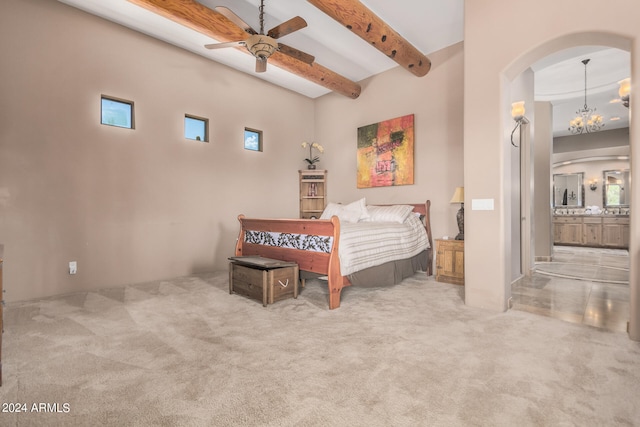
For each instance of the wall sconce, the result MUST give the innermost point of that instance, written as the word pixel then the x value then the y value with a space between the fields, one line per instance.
pixel 624 91
pixel 593 184
pixel 517 112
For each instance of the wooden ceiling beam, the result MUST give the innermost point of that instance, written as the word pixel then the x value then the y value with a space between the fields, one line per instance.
pixel 206 21
pixel 366 24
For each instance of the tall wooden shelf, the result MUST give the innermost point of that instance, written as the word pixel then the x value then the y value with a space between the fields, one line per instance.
pixel 313 192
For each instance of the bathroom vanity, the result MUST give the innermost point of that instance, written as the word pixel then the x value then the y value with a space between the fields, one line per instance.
pixel 600 231
pixel 577 225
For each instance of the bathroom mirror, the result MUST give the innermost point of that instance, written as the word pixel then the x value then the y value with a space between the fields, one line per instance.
pixel 615 188
pixel 568 190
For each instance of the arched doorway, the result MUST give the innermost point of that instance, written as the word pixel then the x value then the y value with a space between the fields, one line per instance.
pixel 518 215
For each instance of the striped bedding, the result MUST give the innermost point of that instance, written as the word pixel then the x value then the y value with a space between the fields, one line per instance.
pixel 368 244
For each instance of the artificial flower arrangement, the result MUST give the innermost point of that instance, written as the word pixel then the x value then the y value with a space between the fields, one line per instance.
pixel 312 159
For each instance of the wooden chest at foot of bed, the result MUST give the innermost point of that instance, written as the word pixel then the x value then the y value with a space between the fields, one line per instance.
pixel 263 279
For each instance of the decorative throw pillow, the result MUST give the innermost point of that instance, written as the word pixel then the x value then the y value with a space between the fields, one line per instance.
pixel 330 210
pixel 395 213
pixel 353 212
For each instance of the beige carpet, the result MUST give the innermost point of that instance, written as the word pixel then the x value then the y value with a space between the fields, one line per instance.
pixel 186 353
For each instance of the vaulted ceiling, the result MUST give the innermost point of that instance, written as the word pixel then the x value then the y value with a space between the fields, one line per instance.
pixel 428 25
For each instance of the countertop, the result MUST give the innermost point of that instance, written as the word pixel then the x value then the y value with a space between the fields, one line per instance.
pixel 594 216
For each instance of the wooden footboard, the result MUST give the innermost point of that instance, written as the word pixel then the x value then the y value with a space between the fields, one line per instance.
pixel 324 261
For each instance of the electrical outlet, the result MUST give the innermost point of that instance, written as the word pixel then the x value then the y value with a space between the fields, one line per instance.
pixel 73 267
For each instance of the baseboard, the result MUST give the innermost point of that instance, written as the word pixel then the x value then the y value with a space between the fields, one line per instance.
pixel 543 259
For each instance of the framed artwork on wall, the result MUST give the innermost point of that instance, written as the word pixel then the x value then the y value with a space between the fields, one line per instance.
pixel 385 153
pixel 252 139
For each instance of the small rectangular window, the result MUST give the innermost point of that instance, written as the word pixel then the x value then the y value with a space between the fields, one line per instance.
pixel 252 139
pixel 196 128
pixel 116 112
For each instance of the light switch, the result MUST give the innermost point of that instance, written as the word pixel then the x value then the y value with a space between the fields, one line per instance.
pixel 481 204
pixel 73 267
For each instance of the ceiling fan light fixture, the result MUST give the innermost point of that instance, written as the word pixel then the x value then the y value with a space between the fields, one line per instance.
pixel 261 46
pixel 586 121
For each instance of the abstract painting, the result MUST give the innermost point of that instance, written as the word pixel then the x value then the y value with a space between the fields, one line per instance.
pixel 385 153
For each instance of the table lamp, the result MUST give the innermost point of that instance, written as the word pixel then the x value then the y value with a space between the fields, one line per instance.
pixel 458 197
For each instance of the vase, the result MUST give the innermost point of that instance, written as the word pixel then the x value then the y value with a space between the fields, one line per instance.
pixel 311 167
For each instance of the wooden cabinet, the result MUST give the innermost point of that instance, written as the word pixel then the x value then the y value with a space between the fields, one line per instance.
pixel 615 232
pixel 567 230
pixel 450 261
pixel 313 193
pixel 592 231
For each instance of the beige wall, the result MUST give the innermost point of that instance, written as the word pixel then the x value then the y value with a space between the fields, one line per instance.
pixel 542 182
pixel 138 205
pixel 589 141
pixel 129 205
pixel 436 101
pixel 518 170
pixel 502 39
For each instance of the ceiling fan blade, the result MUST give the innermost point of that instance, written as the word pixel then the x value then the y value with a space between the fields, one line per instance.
pixel 227 44
pixel 261 65
pixel 288 27
pixel 295 53
pixel 227 13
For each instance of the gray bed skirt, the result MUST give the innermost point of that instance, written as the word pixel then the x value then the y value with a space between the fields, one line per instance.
pixel 390 273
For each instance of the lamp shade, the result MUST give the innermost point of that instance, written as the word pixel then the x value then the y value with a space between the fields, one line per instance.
pixel 625 88
pixel 517 110
pixel 458 196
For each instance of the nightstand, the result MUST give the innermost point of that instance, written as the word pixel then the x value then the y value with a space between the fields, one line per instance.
pixel 450 261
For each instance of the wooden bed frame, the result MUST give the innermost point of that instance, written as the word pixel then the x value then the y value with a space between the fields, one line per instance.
pixel 317 262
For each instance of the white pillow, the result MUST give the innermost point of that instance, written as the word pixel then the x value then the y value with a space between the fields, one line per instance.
pixel 353 212
pixel 356 211
pixel 395 213
pixel 331 210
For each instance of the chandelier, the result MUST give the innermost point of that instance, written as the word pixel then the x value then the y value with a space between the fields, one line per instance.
pixel 587 120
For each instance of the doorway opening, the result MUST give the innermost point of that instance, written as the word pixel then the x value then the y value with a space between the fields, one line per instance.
pixel 598 301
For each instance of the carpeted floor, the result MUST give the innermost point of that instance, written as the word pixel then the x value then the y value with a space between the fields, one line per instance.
pixel 186 353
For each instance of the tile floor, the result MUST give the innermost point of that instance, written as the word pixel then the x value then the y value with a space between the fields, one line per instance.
pixel 581 285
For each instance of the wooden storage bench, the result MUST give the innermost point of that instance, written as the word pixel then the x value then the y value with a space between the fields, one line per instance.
pixel 265 279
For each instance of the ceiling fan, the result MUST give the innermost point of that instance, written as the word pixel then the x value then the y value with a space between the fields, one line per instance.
pixel 262 45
